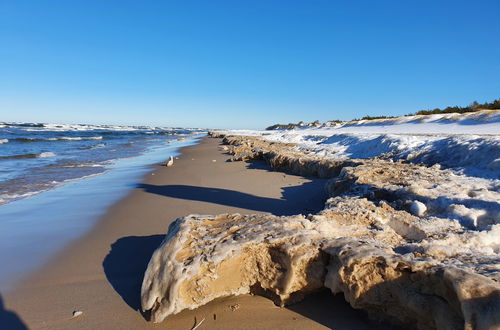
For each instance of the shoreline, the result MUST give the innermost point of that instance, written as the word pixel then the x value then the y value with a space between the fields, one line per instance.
pixel 36 229
pixel 381 240
pixel 101 272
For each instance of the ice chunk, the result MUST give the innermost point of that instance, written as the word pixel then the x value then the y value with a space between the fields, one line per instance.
pixel 417 208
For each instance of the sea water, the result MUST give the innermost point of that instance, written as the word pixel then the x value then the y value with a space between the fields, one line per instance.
pixel 38 157
pixel 56 180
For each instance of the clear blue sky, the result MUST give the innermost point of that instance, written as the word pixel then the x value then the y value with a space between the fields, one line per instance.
pixel 242 64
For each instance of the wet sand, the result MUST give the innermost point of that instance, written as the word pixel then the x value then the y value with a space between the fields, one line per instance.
pixel 101 273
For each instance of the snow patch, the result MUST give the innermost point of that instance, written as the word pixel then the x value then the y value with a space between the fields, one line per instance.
pixel 418 208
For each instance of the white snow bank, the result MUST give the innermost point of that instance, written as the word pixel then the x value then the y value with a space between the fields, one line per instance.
pixel 469 143
pixel 418 246
pixel 481 122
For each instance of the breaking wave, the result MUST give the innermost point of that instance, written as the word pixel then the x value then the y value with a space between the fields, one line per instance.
pixel 62 138
pixel 30 155
pixel 46 154
pixel 100 145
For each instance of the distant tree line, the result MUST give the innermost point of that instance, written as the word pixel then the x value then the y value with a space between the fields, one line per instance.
pixel 474 106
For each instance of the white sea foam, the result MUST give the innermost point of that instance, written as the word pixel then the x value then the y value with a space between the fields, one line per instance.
pixel 46 154
pixel 9 197
pixel 79 127
pixel 84 177
pixel 75 138
pixel 84 165
pixel 5 198
pixel 2 141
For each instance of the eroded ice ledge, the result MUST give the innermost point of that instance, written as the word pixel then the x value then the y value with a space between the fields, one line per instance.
pixel 404 242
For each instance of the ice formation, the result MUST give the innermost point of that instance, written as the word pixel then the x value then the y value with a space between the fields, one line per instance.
pixel 469 143
pixel 416 245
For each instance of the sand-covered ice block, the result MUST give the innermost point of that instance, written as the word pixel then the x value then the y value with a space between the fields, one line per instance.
pixel 283 156
pixel 206 257
pixel 413 292
pixel 421 190
pixel 285 258
pixel 435 268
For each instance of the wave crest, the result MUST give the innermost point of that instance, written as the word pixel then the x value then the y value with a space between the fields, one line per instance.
pixel 62 138
pixel 45 154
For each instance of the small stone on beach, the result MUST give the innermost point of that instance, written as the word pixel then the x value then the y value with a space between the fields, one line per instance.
pixel 77 313
pixel 234 307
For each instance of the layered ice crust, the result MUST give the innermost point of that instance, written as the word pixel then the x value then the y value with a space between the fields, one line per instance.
pixel 436 267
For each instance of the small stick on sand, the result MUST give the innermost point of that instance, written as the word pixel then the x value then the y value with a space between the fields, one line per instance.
pixel 197 325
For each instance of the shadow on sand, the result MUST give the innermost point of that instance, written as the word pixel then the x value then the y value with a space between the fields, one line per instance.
pixel 126 263
pixel 306 198
pixel 334 312
pixel 128 259
pixel 10 320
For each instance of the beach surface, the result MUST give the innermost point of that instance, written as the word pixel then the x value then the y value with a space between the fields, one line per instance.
pixel 101 273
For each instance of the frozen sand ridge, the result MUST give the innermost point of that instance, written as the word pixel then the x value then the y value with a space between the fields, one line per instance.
pixel 431 271
pixel 466 142
pixel 470 200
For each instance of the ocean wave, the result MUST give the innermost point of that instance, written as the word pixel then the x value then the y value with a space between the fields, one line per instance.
pixel 28 190
pixel 24 124
pixel 83 165
pixel 23 156
pixel 47 127
pixel 2 141
pixel 75 127
pixel 5 198
pixel 76 138
pixel 95 146
pixel 45 154
pixel 27 140
pixel 62 138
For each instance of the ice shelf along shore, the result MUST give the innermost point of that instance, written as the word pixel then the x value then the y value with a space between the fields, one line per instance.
pixel 414 243
pixel 469 143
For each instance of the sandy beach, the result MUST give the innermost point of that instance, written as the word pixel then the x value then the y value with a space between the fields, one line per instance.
pixel 100 274
pixel 249 165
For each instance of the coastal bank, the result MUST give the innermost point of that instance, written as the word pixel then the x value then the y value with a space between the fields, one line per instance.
pixel 101 273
